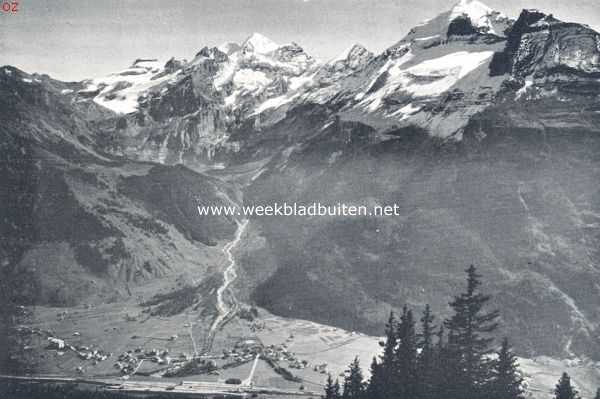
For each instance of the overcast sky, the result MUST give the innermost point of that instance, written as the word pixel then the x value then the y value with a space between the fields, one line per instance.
pixel 86 38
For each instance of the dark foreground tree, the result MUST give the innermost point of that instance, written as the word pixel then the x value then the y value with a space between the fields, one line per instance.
pixel 354 385
pixel 426 368
pixel 453 362
pixel 564 389
pixel 384 372
pixel 470 327
pixel 332 389
pixel 406 356
pixel 376 385
pixel 507 382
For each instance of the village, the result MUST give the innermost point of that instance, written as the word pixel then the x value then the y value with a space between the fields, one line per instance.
pixel 156 361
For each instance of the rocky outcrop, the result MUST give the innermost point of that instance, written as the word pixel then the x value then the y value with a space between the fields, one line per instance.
pixel 461 26
pixel 354 58
pixel 541 45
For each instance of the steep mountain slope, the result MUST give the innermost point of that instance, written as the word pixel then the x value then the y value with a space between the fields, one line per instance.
pixel 520 203
pixel 513 192
pixel 79 224
pixel 483 130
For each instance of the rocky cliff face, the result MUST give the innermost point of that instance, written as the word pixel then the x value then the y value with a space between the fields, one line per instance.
pixel 540 45
pixel 81 224
pixel 183 112
pixel 483 129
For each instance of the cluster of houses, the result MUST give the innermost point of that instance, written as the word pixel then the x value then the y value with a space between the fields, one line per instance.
pixel 246 350
pixel 61 346
pixel 83 352
pixel 128 362
pixel 280 353
pixel 243 351
pixel 94 355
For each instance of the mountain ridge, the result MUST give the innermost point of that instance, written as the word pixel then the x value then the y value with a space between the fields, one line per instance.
pixel 481 128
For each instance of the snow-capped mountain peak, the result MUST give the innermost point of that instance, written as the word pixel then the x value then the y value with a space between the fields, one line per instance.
pixel 473 9
pixel 260 44
pixel 480 15
pixel 465 18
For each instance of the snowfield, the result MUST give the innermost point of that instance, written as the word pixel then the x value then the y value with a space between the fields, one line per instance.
pixel 120 92
pixel 428 78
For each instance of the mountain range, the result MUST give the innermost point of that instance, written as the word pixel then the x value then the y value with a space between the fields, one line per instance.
pixel 482 128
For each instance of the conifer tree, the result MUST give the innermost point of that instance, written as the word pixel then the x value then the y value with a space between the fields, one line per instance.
pixel 376 386
pixel 426 360
pixel 452 376
pixel 388 358
pixel 470 327
pixel 506 381
pixel 384 373
pixel 406 357
pixel 332 389
pixel 440 344
pixel 354 385
pixel 564 389
pixel 440 347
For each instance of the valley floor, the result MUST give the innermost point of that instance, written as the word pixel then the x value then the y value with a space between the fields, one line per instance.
pixel 308 350
pixel 237 349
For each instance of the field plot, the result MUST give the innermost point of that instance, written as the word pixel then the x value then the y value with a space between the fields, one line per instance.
pixel 541 375
pixel 327 348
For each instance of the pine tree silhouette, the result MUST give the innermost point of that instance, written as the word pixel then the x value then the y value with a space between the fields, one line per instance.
pixel 406 356
pixel 375 388
pixel 354 385
pixel 440 372
pixel 332 389
pixel 453 373
pixel 385 374
pixel 506 381
pixel 456 366
pixel 389 350
pixel 564 389
pixel 469 329
pixel 426 361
